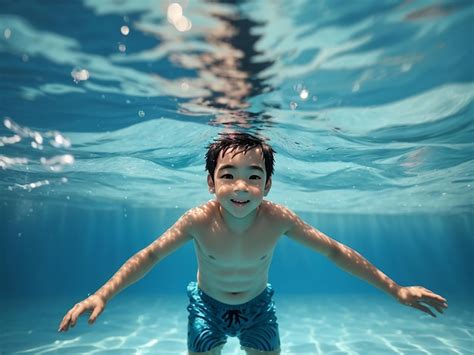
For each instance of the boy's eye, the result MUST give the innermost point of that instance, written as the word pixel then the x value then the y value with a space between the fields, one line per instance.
pixel 226 176
pixel 255 177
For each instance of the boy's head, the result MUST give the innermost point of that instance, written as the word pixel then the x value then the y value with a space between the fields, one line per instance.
pixel 240 167
pixel 238 143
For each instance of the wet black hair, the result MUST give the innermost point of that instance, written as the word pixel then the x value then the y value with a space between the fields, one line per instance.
pixel 241 143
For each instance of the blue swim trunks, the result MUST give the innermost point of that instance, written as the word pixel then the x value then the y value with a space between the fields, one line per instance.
pixel 211 321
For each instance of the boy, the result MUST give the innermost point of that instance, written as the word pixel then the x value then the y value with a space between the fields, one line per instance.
pixel 234 237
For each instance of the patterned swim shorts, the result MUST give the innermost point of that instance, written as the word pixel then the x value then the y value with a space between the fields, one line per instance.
pixel 211 321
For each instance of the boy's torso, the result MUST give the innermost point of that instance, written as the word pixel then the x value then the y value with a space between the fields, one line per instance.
pixel 233 268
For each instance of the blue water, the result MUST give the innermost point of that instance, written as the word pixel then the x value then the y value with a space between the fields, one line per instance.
pixel 107 107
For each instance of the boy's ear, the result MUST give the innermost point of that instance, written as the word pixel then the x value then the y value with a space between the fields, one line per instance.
pixel 268 185
pixel 210 184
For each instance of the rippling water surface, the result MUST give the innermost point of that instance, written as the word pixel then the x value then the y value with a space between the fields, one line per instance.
pixel 368 104
pixel 105 111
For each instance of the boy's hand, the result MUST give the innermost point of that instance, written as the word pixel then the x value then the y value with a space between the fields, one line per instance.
pixel 94 304
pixel 414 296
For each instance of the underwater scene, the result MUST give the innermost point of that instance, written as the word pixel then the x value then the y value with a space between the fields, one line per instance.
pixel 107 110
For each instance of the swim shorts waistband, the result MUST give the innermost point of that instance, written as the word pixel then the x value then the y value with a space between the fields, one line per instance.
pixel 193 288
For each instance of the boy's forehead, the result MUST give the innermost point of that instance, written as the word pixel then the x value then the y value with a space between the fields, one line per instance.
pixel 252 156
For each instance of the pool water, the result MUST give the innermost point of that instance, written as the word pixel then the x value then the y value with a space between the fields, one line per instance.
pixel 55 257
pixel 309 324
pixel 107 106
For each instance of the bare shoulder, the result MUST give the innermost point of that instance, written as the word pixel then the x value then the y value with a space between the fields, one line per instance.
pixel 279 214
pixel 201 214
pixel 186 228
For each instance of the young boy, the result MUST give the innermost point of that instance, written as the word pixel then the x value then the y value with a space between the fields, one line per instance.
pixel 234 237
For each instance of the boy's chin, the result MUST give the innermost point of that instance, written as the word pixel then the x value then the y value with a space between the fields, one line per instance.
pixel 239 212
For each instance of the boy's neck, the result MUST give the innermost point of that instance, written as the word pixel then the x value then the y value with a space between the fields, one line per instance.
pixel 238 225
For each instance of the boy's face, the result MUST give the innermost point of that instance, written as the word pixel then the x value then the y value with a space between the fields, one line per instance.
pixel 239 181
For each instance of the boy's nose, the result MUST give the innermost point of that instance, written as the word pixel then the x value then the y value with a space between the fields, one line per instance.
pixel 240 186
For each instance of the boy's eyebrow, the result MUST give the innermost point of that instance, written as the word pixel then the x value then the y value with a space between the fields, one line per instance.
pixel 253 167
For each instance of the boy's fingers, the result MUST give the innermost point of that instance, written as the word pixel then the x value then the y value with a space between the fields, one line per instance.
pixel 423 309
pixel 434 304
pixel 436 297
pixel 439 307
pixel 64 327
pixel 80 309
pixel 70 319
pixel 65 322
pixel 74 319
pixel 425 289
pixel 435 301
pixel 97 311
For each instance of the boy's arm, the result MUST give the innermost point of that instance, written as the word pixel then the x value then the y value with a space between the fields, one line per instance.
pixel 142 262
pixel 133 270
pixel 352 262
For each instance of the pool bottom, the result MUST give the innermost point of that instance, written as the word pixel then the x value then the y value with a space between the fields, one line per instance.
pixel 319 324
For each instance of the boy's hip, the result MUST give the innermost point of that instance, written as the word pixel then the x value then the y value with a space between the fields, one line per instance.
pixel 194 291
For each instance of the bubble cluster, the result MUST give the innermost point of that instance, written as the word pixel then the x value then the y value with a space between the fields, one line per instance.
pixel 60 141
pixel 57 162
pixel 175 17
pixel 32 185
pixel 302 92
pixel 6 162
pixel 9 140
pixel 79 74
pixel 54 164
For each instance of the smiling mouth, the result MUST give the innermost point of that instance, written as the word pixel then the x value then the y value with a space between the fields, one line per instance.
pixel 240 203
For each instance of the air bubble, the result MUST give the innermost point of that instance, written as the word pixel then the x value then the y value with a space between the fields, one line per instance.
pixel 175 16
pixel 175 12
pixel 125 30
pixel 304 94
pixel 79 74
pixel 141 113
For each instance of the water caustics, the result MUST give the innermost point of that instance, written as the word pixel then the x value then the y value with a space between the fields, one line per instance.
pixel 368 105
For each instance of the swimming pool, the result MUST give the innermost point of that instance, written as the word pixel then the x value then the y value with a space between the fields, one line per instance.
pixel 107 108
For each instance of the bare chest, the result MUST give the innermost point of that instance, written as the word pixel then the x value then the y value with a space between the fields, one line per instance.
pixel 221 247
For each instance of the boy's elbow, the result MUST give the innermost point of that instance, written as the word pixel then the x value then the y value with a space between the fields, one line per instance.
pixel 152 255
pixel 334 250
pixel 145 258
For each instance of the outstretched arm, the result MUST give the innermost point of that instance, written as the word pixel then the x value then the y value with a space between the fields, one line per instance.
pixel 133 270
pixel 143 261
pixel 351 261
